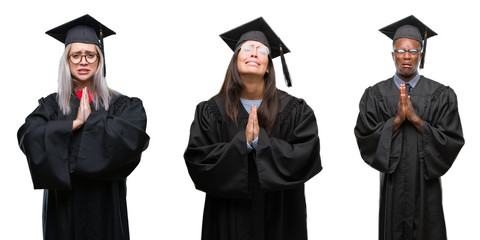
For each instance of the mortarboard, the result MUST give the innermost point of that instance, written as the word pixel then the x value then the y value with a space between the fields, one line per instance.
pixel 410 27
pixel 84 29
pixel 259 30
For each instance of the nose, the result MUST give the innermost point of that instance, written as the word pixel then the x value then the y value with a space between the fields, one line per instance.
pixel 254 52
pixel 407 55
pixel 83 60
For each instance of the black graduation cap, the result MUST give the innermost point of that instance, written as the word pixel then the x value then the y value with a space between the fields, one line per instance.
pixel 410 27
pixel 259 30
pixel 84 29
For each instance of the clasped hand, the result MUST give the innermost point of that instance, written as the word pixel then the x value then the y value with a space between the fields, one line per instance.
pixel 252 130
pixel 83 110
pixel 405 111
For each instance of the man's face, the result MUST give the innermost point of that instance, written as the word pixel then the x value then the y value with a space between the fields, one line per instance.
pixel 406 63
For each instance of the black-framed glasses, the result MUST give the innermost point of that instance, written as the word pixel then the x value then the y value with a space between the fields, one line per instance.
pixel 76 58
pixel 248 48
pixel 410 51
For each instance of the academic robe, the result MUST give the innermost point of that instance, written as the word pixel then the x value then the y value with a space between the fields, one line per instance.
pixel 256 194
pixel 410 163
pixel 84 172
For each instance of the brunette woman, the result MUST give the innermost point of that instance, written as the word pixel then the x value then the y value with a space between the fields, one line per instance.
pixel 252 146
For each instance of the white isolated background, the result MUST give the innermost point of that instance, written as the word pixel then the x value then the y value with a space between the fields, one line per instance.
pixel 168 53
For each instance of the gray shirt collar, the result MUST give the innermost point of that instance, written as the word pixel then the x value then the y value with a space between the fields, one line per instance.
pixel 412 82
pixel 247 104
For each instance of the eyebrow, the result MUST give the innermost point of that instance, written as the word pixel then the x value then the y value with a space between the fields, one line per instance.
pixel 255 46
pixel 82 52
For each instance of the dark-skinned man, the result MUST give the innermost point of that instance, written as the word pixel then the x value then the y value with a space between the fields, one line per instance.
pixel 409 129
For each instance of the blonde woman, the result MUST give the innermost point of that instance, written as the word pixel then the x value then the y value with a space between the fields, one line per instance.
pixel 82 142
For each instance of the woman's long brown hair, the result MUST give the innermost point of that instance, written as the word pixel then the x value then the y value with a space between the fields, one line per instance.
pixel 233 86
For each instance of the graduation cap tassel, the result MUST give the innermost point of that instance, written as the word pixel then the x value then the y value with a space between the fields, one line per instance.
pixel 285 68
pixel 422 62
pixel 103 52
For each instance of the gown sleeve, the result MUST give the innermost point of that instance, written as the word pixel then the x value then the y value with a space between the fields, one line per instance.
pixel 293 157
pixel 379 147
pixel 112 142
pixel 442 136
pixel 44 141
pixel 216 166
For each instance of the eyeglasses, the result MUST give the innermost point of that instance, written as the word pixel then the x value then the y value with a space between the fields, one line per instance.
pixel 410 51
pixel 89 57
pixel 248 48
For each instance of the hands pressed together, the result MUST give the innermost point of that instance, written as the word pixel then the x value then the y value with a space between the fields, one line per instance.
pixel 406 111
pixel 252 130
pixel 83 110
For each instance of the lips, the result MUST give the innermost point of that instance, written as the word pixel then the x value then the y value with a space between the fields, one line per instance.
pixel 83 71
pixel 252 62
pixel 406 65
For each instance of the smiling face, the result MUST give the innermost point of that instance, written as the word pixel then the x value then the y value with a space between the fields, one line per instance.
pixel 406 64
pixel 252 63
pixel 83 71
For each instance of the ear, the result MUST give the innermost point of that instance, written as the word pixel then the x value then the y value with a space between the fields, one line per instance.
pixel 393 56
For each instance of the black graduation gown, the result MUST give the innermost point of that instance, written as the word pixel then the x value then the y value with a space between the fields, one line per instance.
pixel 84 172
pixel 410 163
pixel 258 194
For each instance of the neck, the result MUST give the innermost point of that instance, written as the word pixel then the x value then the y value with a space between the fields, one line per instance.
pixel 253 88
pixel 407 78
pixel 79 85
